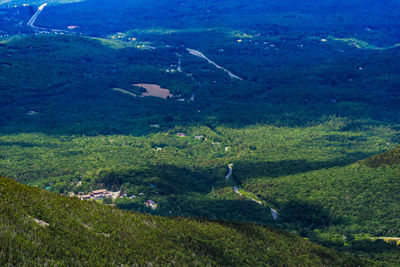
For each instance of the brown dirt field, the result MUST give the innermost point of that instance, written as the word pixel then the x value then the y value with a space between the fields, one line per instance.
pixel 154 90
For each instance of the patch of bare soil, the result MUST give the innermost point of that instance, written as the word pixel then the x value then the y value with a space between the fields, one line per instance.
pixel 154 90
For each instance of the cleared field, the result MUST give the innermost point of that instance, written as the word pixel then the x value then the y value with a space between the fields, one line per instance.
pixel 154 90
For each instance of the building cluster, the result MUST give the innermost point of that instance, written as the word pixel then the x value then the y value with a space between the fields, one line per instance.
pixel 99 194
pixel 104 193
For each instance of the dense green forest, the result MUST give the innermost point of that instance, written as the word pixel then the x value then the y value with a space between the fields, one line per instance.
pixel 310 125
pixel 66 130
pixel 41 228
pixel 340 206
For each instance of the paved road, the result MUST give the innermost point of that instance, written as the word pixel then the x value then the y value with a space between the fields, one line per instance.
pixel 32 21
pixel 237 190
pixel 201 55
pixel 35 16
pixel 179 65
pixel 274 213
pixel 230 165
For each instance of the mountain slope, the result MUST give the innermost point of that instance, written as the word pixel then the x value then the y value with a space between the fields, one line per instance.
pixel 38 227
pixel 341 206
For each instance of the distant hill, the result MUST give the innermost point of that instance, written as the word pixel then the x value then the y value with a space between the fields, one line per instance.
pixel 11 3
pixel 38 227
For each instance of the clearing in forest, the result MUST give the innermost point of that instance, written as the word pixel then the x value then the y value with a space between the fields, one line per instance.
pixel 154 90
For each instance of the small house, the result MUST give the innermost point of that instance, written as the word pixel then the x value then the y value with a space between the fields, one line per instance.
pixel 99 194
pixel 150 203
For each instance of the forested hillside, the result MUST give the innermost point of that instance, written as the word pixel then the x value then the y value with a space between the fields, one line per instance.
pixel 65 128
pixel 341 206
pixel 281 113
pixel 40 228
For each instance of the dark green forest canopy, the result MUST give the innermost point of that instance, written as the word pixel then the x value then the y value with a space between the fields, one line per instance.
pixel 358 200
pixel 83 135
pixel 69 81
pixel 320 17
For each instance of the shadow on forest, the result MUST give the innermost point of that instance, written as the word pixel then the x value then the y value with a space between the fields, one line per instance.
pixel 165 179
pixel 107 113
pixel 26 144
pixel 183 192
pixel 172 179
pixel 305 215
pixel 204 207
pixel 244 170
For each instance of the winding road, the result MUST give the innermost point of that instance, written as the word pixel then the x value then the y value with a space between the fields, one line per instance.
pixel 274 213
pixel 230 165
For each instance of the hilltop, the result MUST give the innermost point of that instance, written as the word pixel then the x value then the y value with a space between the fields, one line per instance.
pixel 38 227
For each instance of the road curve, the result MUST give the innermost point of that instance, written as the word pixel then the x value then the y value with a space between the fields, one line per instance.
pixel 230 165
